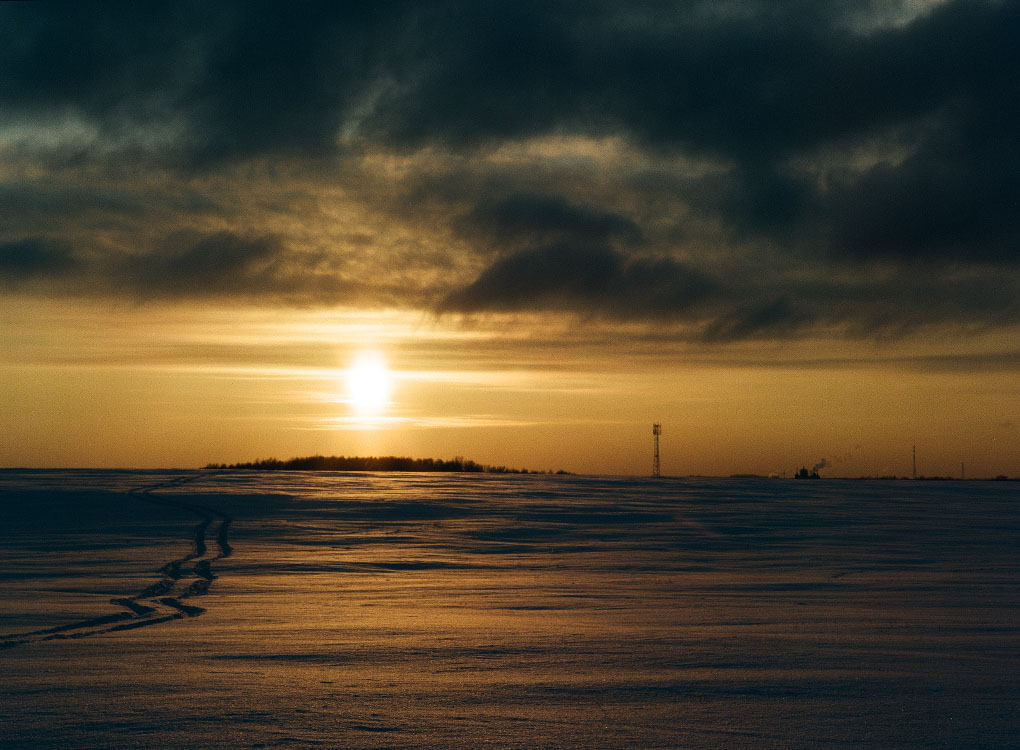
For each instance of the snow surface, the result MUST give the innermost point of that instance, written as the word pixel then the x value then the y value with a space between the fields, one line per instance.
pixel 214 610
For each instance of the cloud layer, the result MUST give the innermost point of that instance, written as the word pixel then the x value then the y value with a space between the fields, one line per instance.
pixel 733 170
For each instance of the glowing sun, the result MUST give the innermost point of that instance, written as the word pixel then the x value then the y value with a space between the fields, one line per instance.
pixel 369 384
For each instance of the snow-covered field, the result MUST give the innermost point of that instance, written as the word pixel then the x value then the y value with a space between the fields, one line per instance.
pixel 195 610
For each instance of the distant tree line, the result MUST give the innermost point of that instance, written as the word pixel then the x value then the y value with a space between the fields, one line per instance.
pixel 373 463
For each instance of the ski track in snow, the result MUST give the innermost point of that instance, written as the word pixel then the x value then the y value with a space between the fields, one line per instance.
pixel 168 598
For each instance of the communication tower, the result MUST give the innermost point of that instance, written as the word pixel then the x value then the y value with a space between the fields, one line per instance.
pixel 914 461
pixel 656 431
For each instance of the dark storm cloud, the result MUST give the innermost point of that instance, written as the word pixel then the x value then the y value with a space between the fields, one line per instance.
pixel 51 202
pixel 785 307
pixel 947 203
pixel 871 140
pixel 237 80
pixel 186 265
pixel 754 81
pixel 759 319
pixel 35 257
pixel 190 264
pixel 601 282
pixel 528 217
pixel 251 267
pixel 758 85
pixel 589 278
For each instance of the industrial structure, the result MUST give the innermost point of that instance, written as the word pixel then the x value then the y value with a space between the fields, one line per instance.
pixel 656 431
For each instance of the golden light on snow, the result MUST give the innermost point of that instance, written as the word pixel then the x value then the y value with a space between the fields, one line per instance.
pixel 369 384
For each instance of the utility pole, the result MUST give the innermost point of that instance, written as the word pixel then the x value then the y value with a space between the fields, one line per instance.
pixel 656 431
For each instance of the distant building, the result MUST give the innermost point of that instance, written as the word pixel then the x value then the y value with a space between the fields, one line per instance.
pixel 805 474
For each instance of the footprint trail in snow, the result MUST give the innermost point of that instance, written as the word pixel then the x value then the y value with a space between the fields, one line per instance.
pixel 172 596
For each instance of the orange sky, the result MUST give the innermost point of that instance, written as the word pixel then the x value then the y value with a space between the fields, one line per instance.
pixel 94 384
pixel 786 231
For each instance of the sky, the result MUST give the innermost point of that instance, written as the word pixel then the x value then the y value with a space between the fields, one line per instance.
pixel 787 231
